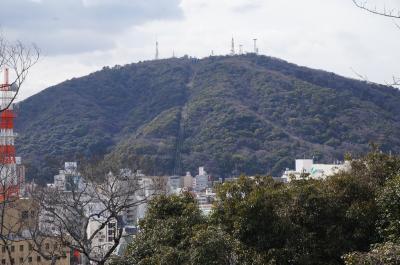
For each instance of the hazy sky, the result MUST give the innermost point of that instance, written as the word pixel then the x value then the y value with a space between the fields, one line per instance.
pixel 77 37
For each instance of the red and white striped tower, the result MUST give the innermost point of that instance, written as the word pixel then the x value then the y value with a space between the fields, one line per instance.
pixel 10 183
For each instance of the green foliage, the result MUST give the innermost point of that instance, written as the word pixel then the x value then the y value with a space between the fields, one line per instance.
pixel 303 222
pixel 381 254
pixel 389 210
pixel 175 232
pixel 210 245
pixel 260 221
pixel 249 210
pixel 242 114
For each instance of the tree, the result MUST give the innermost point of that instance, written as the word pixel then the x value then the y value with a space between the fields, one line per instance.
pixel 18 58
pixel 166 231
pixel 87 214
pixel 388 201
pixel 381 254
pixel 382 11
pixel 175 232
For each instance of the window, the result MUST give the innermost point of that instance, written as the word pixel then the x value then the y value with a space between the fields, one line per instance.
pixel 47 246
pixel 12 248
pixel 38 258
pixel 30 247
pixel 110 232
pixel 3 261
pixel 21 260
pixel 29 259
pixel 21 248
pixel 3 249
pixel 32 214
pixel 111 225
pixel 12 261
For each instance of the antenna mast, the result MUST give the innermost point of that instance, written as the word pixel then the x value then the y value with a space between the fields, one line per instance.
pixel 233 47
pixel 255 46
pixel 156 57
pixel 240 49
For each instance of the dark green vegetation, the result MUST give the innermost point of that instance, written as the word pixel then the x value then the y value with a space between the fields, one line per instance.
pixel 260 222
pixel 243 114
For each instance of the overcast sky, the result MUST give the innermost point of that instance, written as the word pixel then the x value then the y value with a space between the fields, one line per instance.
pixel 77 37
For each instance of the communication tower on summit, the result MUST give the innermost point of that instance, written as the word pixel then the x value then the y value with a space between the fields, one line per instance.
pixel 10 176
pixel 255 46
pixel 156 57
pixel 233 47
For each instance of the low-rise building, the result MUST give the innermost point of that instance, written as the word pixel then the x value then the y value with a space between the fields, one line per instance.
pixel 23 246
pixel 307 168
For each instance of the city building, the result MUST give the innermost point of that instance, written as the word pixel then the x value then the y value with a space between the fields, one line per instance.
pixel 308 169
pixel 23 252
pixel 19 223
pixel 68 178
pixel 201 181
pixel 187 181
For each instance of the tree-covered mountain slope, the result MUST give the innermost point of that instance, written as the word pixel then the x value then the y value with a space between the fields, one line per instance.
pixel 234 114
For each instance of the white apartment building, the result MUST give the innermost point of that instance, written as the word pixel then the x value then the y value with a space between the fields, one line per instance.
pixel 306 167
pixel 67 178
pixel 201 181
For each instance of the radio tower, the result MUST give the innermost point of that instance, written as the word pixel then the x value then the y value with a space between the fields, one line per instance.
pixel 255 46
pixel 10 181
pixel 156 57
pixel 233 47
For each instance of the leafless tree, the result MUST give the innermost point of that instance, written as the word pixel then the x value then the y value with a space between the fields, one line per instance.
pixel 87 213
pixel 19 58
pixel 385 11
pixel 11 219
pixel 373 8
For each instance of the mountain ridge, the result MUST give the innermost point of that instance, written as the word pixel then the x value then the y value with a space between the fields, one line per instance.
pixel 234 114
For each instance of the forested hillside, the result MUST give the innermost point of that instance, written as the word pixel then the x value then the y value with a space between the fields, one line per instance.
pixel 238 114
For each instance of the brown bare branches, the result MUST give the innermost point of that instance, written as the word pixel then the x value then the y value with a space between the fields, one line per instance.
pixel 384 11
pixel 19 58
pixel 90 216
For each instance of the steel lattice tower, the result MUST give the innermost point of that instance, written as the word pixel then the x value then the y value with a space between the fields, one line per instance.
pixel 10 182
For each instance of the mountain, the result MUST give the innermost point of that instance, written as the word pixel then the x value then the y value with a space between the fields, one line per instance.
pixel 233 114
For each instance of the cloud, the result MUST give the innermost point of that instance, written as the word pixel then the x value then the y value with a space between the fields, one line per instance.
pixel 70 26
pixel 246 7
pixel 331 35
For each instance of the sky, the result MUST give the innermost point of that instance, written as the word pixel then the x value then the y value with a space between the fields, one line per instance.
pixel 77 37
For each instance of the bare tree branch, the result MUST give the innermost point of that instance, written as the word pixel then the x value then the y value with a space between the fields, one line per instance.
pixel 384 11
pixel 83 216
